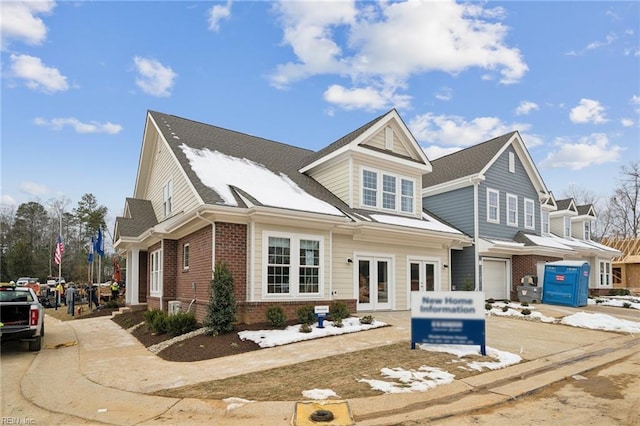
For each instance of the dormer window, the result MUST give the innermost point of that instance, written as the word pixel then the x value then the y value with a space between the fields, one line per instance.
pixel 567 227
pixel 397 192
pixel 545 223
pixel 587 230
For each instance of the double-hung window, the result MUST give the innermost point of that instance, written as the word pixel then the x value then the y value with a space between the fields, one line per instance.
pixel 156 273
pixel 545 223
pixel 529 215
pixel 167 198
pixel 512 210
pixel 396 192
pixel 587 230
pixel 605 273
pixel 293 265
pixel 493 206
pixel 567 227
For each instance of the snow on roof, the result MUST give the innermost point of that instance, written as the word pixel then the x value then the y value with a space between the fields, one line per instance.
pixel 219 171
pixel 427 222
pixel 547 242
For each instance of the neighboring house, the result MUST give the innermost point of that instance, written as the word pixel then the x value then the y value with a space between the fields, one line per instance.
pixel 493 192
pixel 626 267
pixel 294 226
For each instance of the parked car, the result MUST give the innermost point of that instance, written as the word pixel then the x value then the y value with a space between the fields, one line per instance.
pixel 21 316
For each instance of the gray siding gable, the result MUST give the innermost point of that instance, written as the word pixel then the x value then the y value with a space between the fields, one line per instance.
pixel 499 178
pixel 455 207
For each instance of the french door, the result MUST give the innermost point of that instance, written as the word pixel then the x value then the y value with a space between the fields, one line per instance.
pixel 422 275
pixel 375 284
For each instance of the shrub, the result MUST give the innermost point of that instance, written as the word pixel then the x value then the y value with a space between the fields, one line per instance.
pixel 619 292
pixel 338 323
pixel 338 311
pixel 276 316
pixel 626 305
pixel 221 312
pixel 599 301
pixel 525 312
pixel 524 304
pixel 305 328
pixel 157 321
pixel 491 300
pixel 488 306
pixel 181 323
pixel 111 304
pixel 367 319
pixel 306 315
pixel 505 308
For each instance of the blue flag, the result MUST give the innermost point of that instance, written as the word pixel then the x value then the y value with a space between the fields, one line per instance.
pixel 99 245
pixel 91 246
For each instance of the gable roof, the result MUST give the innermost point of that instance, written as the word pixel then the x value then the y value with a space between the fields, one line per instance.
pixel 586 210
pixel 567 204
pixel 234 170
pixel 354 139
pixel 474 161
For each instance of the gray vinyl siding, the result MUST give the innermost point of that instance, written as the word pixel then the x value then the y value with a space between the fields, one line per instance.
pixel 455 207
pixel 462 271
pixel 499 178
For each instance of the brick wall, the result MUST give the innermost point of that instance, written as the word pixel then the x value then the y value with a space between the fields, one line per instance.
pixel 231 248
pixel 525 265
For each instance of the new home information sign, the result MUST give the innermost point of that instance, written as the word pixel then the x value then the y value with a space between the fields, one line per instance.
pixel 448 318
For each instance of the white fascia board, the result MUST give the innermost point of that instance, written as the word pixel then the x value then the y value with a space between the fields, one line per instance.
pixel 452 185
pixel 423 168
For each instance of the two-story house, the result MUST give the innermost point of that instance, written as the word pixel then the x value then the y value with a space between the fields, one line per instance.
pixel 294 226
pixel 493 192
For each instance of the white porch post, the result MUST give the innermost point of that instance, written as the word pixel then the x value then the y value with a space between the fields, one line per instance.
pixel 133 277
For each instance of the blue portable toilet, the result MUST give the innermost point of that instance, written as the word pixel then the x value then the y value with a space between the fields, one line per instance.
pixel 566 282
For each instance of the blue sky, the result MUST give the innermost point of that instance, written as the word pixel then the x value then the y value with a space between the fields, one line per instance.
pixel 78 78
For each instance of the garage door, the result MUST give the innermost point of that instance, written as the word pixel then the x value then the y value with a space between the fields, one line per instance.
pixel 494 279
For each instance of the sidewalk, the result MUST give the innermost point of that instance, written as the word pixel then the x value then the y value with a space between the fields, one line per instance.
pixel 106 377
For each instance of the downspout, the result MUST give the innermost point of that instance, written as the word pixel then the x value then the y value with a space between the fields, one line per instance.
pixel 213 240
pixel 331 264
pixel 252 251
pixel 476 235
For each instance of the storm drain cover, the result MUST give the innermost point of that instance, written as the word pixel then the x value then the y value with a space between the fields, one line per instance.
pixel 325 413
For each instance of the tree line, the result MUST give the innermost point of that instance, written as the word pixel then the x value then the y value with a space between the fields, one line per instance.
pixel 28 236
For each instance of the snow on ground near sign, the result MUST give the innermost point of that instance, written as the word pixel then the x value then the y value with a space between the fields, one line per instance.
pixel 601 322
pixel 270 338
pixel 617 301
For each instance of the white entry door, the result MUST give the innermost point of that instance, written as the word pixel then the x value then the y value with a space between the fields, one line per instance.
pixel 374 283
pixel 423 275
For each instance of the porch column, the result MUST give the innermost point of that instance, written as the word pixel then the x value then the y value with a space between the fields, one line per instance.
pixel 133 278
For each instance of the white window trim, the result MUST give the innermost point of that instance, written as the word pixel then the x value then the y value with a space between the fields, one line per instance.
pixel 566 232
pixel 587 230
pixel 167 198
pixel 604 273
pixel 294 291
pixel 493 191
pixel 155 276
pixel 530 202
pixel 545 224
pixel 186 260
pixel 509 210
pixel 380 190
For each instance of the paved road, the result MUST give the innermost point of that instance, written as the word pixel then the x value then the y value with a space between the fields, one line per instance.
pixel 67 386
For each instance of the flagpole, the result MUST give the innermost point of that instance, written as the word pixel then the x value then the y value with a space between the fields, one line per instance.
pixel 60 233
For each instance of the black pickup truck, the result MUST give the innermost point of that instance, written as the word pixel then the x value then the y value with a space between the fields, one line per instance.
pixel 21 316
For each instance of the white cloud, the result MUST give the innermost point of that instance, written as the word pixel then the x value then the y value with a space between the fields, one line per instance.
pixel 19 21
pixel 386 43
pixel 590 150
pixel 526 107
pixel 79 126
pixel 154 78
pixel 7 201
pixel 434 152
pixel 33 188
pixel 444 94
pixel 218 13
pixel 368 98
pixel 451 130
pixel 37 75
pixel 627 122
pixel 588 111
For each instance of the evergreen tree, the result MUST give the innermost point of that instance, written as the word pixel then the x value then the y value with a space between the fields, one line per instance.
pixel 221 312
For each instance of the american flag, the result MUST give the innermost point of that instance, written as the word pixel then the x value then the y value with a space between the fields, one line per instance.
pixel 57 257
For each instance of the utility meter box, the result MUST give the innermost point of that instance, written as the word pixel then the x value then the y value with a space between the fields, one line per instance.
pixel 566 282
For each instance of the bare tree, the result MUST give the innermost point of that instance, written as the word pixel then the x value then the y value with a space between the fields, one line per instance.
pixel 625 203
pixel 583 196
